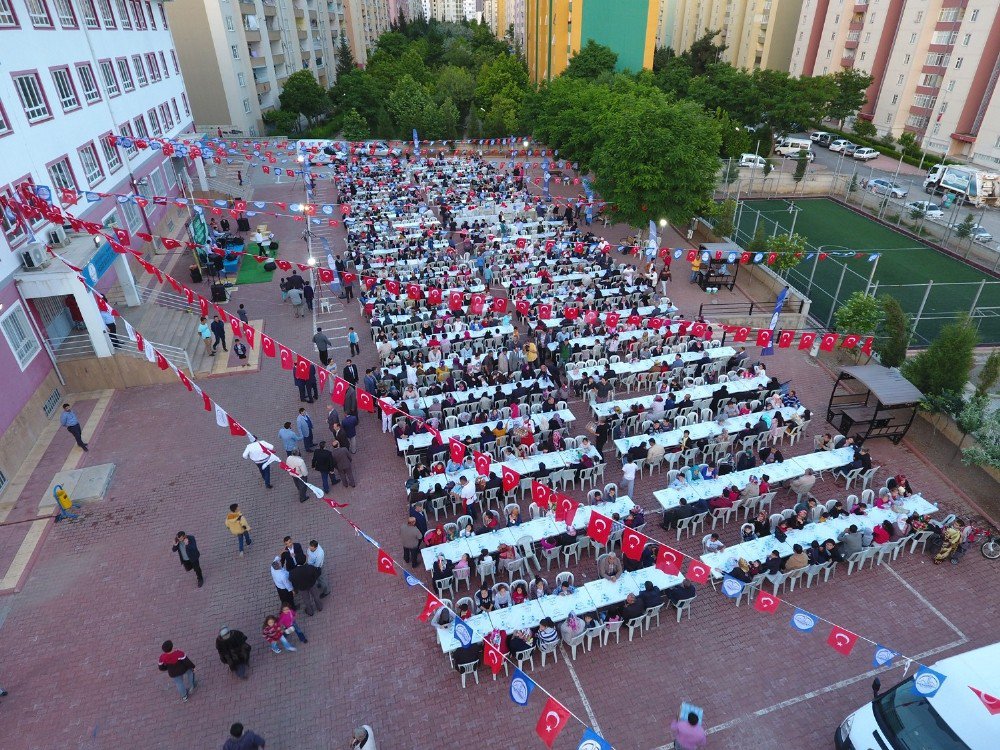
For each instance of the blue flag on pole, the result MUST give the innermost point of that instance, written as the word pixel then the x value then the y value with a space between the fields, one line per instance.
pixel 416 143
pixel 778 304
pixel 520 687
pixel 411 580
pixel 591 740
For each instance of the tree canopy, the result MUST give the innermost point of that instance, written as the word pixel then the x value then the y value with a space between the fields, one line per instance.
pixel 592 61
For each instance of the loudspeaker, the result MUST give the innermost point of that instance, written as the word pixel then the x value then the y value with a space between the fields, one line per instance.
pixel 270 265
pixel 242 225
pixel 219 293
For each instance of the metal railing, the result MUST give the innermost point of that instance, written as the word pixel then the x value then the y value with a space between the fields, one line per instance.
pixel 746 309
pixel 155 295
pixel 79 346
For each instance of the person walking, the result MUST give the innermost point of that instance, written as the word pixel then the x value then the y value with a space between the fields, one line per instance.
pixel 262 454
pixel 287 622
pixel 239 527
pixel 297 299
pixel 305 424
pixel 187 550
pixel 234 651
pixel 241 738
pixel 304 578
pixel 109 322
pixel 241 313
pixel 411 541
pixel 316 557
pixel 282 582
pixel 219 332
pixel 71 422
pixel 275 635
pixel 322 342
pixel 688 734
pixel 629 469
pixel 342 460
pixel 179 668
pixel 308 293
pixel 354 340
pixel 322 461
pixel 205 331
pixel 299 474
pixel 312 385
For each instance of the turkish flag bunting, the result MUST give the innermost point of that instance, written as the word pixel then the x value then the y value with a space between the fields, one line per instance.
pixel 549 244
pixel 365 400
pixel 455 301
pixel 842 641
pixel 571 313
pixel 806 341
pixel 500 305
pixel 121 250
pixel 284 265
pixel 599 528
pixel 434 296
pixel 828 342
pixel 392 286
pixel 633 320
pixel 632 543
pixel 492 656
pixel 140 342
pixel 698 329
pixel 161 361
pixel 206 401
pixel 765 602
pixel 430 607
pixel 741 333
pixel 850 341
pixel 386 407
pixel 771 257
pixel 340 387
pixel 698 572
pixel 326 275
pixel 235 428
pixel 435 434
pixel 368 281
pixel 682 325
pixel 322 375
pixel 413 291
pixel 235 324
pixel 122 236
pixel 744 258
pixel 992 704
pixel 170 243
pixel 545 311
pixel 764 337
pixel 476 304
pixel 669 560
pixel 287 360
pixel 302 368
pixel 691 255
pixel 579 248
pixel 482 461
pixel 185 380
pixel 203 306
pixel 551 722
pixel 541 494
pixel 566 508
pixel 611 320
pixel 785 339
pixel 867 346
pixel 510 479
pixel 590 317
pixel 520 242
pixel 522 306
pixel 385 563
pixel 457 450
pixel 249 332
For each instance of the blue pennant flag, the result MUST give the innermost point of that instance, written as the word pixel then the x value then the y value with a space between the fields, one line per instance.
pixel 927 682
pixel 779 303
pixel 462 632
pixel 260 204
pixel 873 257
pixel 732 587
pixel 803 621
pixel 758 257
pixel 591 740
pixel 883 656
pixel 221 203
pixel 520 687
pixel 92 197
pixel 411 580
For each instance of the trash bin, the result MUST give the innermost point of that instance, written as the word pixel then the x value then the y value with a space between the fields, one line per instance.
pixel 195 273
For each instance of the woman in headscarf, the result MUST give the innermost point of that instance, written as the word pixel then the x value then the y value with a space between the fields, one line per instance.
pixel 952 537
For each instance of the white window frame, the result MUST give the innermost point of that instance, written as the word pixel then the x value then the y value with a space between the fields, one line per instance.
pixel 107 14
pixel 154 123
pixel 66 14
pixel 157 183
pixel 5 126
pixel 111 84
pixel 112 155
pixel 246 106
pixel 123 17
pixel 133 217
pixel 88 82
pixel 37 102
pixel 65 89
pixel 93 172
pixel 61 174
pixel 125 74
pixel 140 71
pixel 28 347
pixel 91 19
pixel 39 14
pixel 241 79
pixel 8 19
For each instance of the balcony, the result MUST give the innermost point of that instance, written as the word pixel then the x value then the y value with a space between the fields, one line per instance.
pixel 278 58
pixel 964 137
pixel 299 13
pixel 921 111
pixel 847 62
pixel 263 87
pixel 274 35
pixel 247 7
pixel 851 44
pixel 857 25
pixel 270 10
pixel 253 35
pixel 257 61
pixel 927 90
pixel 860 6
pixel 303 33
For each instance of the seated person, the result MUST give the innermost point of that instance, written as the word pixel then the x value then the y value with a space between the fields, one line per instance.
pixel 741 571
pixel 803 485
pixel 772 565
pixel 796 560
pixel 682 591
pixel 634 608
pixel 650 595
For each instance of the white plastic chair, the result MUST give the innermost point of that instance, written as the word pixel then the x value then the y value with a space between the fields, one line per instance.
pixel 684 605
pixel 469 668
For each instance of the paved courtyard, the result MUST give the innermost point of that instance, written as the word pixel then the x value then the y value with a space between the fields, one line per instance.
pixel 82 635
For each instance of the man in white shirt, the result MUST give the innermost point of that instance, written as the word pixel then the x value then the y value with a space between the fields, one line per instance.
pixel 468 495
pixel 629 469
pixel 299 470
pixel 262 454
pixel 316 556
pixel 282 582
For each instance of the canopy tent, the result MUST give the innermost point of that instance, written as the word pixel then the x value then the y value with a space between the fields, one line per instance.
pixel 874 401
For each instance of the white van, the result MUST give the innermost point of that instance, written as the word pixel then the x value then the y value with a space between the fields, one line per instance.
pixel 753 161
pixel 954 718
pixel 792 146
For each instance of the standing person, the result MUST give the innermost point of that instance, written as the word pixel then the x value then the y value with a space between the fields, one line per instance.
pixel 348 286
pixel 312 385
pixel 179 667
pixel 322 461
pixel 282 582
pixel 303 385
pixel 234 651
pixel 292 554
pixel 305 425
pixel 299 473
pixel 297 299
pixel 239 180
pixel 308 293
pixel 275 635
pixel 412 538
pixel 350 425
pixel 241 738
pixel 241 313
pixel 342 459
pixel 238 526
pixel 351 373
pixel 287 622
pixel 71 422
pixel 354 340
pixel 316 557
pixel 109 322
pixel 262 454
pixel 206 335
pixel 322 342
pixel 629 469
pixel 187 550
pixel 219 332
pixel 688 735
pixel 289 438
pixel 303 578
pixel 240 350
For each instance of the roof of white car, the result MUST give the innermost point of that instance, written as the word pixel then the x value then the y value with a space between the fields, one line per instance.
pixel 959 706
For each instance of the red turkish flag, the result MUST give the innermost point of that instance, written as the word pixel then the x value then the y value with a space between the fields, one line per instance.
pixel 691 255
pixel 235 324
pixel 248 333
pixel 554 717
pixel 340 387
pixel 828 342
pixel 698 572
pixel 301 368
pixel 140 343
pixel 850 341
pixel 579 248
pixel 322 375
pixel 348 278
pixel 284 265
pixel 599 528
pixel 386 407
pixel 365 400
pixel 771 257
pixel 430 607
pixel 992 704
pixel 765 602
pixel 785 339
pixel 413 291
pixel 522 306
pixel 285 354
pixel 764 337
pixel 633 320
pixel 669 560
pixel 520 242
pixel 806 341
pixel 161 361
pixel 682 326
pixel 699 329
pixel 632 543
pixel 326 275
pixel 457 450
pixel 483 461
pixel 510 478
pixel 434 296
pixel 867 346
pixel 476 304
pixel 455 300
pixel 435 434
pixel 185 380
pixel 122 236
pixel 741 334
pixel 392 286
pixel 744 258
pixel 541 494
pixel 368 281
pixel 841 641
pixel 566 508
pixel 235 428
pixel 571 313
pixel 202 306
pixel 385 563
pixel 611 320
pixel 545 311
pixel 170 243
pixel 206 401
pixel 500 305
pixel 492 656
pixel 590 317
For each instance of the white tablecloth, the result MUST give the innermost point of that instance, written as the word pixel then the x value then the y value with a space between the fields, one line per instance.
pixel 523 466
pixel 476 393
pixel 715 353
pixel 697 393
pixel 475 430
pixel 455 338
pixel 645 312
pixel 701 430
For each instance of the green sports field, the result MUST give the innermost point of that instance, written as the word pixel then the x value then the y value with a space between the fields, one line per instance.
pixel 905 267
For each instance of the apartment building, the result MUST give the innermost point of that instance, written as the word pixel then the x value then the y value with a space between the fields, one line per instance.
pixel 557 29
pixel 444 10
pixel 757 33
pixel 505 16
pixel 935 65
pixel 242 51
pixel 77 71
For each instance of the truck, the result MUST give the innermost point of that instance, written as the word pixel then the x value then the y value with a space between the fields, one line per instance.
pixel 924 711
pixel 971 185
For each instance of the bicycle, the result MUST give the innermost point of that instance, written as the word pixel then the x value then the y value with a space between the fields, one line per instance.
pixel 990 544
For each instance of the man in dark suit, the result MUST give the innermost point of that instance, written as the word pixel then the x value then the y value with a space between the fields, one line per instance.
pixel 351 373
pixel 187 550
pixel 292 555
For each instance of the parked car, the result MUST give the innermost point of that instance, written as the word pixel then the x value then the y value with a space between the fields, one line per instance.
pixel 884 187
pixel 840 144
pixel 930 210
pixel 825 139
pixel 753 161
pixel 810 155
pixel 817 136
pixel 978 234
pixel 864 154
pixel 850 149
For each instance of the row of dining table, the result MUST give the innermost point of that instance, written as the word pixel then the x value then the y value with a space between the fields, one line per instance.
pixel 620 368
pixel 423 440
pixel 553 461
pixel 696 392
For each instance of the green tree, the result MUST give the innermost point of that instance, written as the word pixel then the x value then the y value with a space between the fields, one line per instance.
pixel 502 118
pixel 851 85
pixel 456 84
pixel 674 76
pixel 358 90
pixel 735 139
pixel 703 52
pixel 893 332
pixel 280 122
pixel 354 127
pixel 964 229
pixel 972 417
pixel 345 59
pixel 859 314
pixel 909 143
pixel 302 94
pixel 592 61
pixel 863 128
pixel 988 375
pixel 721 215
pixel 986 452
pixel 656 158
pixel 801 164
pixel 409 103
pixel 944 365
pixel 449 117
pixel 564 115
pixel 758 244
pixel 506 75
pixel 662 57
pixel 789 250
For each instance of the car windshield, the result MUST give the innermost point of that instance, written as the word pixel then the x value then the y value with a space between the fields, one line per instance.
pixel 911 723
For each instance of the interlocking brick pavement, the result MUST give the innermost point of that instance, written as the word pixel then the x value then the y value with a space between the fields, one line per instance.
pixel 81 639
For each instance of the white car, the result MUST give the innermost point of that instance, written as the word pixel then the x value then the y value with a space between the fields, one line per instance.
pixel 884 187
pixel 840 144
pixel 864 154
pixel 930 210
pixel 817 136
pixel 753 161
pixel 795 154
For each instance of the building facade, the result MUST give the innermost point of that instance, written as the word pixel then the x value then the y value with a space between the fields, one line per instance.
pixel 84 70
pixel 555 30
pixel 444 10
pixel 507 17
pixel 935 65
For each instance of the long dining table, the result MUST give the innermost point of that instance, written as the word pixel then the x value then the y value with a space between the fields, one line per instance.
pixel 423 439
pixel 697 393
pixel 523 466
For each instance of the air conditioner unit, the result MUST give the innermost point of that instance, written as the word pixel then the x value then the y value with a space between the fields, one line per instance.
pixel 33 256
pixel 56 237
